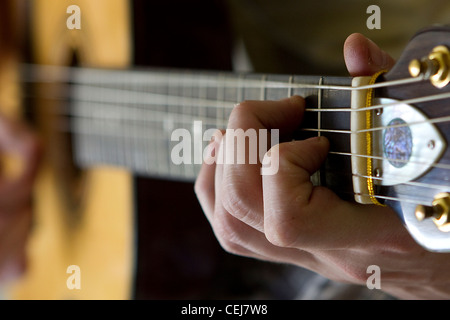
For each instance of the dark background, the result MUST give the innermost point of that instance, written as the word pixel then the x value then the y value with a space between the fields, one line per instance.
pixel 179 257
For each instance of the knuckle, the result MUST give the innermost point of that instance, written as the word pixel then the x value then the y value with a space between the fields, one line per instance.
pixel 275 149
pixel 236 201
pixel 200 187
pixel 357 275
pixel 290 228
pixel 284 149
pixel 287 158
pixel 348 270
pixel 282 234
pixel 231 247
pixel 228 234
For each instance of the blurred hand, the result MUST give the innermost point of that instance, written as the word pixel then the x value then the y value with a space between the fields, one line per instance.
pixel 19 144
pixel 284 218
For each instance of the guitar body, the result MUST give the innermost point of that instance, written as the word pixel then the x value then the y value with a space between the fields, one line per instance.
pixel 83 219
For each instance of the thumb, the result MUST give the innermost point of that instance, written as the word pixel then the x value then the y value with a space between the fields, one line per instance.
pixel 299 215
pixel 363 57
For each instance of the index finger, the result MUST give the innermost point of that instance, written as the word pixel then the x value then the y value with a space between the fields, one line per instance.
pixel 242 194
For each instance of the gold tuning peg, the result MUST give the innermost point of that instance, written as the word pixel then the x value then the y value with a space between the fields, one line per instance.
pixel 435 66
pixel 439 211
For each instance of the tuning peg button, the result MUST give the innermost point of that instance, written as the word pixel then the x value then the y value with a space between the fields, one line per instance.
pixel 423 212
pixel 439 211
pixel 435 66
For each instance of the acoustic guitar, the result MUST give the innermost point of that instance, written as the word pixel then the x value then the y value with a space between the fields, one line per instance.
pixel 388 134
pixel 101 233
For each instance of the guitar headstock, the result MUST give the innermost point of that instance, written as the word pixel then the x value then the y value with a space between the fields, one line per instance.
pixel 413 176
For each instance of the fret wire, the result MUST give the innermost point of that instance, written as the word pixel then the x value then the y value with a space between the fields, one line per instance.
pixel 126 155
pixel 163 158
pixel 319 106
pixel 184 169
pixel 262 96
pixel 108 125
pixel 131 142
pixel 291 78
pixel 201 112
pixel 147 145
pixel 240 88
pixel 319 122
pixel 155 161
pixel 102 126
pixel 220 96
pixel 202 95
pixel 173 169
pixel 161 161
pixel 189 170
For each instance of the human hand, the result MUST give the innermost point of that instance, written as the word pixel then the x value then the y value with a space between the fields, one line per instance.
pixel 284 218
pixel 21 145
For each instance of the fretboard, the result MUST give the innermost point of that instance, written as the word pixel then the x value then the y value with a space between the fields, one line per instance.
pixel 126 118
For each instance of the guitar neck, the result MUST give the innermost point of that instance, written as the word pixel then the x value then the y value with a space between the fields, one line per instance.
pixel 126 118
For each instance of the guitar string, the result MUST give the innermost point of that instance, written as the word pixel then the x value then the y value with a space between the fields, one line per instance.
pixel 269 84
pixel 433 120
pixel 161 116
pixel 167 99
pixel 108 98
pixel 145 77
pixel 401 199
pixel 416 202
pixel 95 114
pixel 422 185
pixel 409 183
pixel 89 129
pixel 440 96
pixel 434 165
pixel 150 98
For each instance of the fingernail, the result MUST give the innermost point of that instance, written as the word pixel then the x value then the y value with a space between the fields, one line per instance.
pixel 296 99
